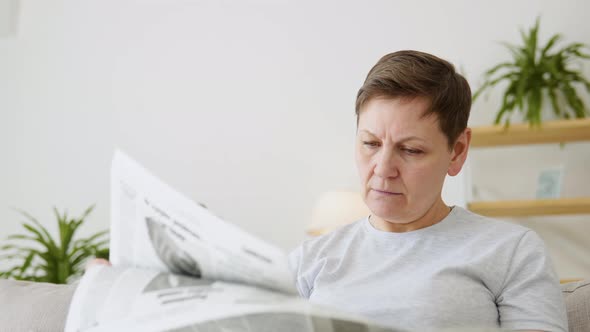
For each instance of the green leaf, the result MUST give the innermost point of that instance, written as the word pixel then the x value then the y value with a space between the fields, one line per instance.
pixel 27 263
pixel 13 256
pixel 48 239
pixel 553 98
pixel 39 237
pixel 91 238
pixel 535 103
pixel 493 70
pixel 573 100
pixel 87 212
pixel 550 44
pixel 21 237
pixel 531 42
pixel 9 247
pixel 491 83
pixel 23 249
pixel 507 106
pixel 12 271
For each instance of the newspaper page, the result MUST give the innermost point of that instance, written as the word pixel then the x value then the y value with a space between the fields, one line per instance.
pixel 131 299
pixel 155 227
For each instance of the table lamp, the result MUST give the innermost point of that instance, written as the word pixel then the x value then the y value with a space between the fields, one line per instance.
pixel 336 208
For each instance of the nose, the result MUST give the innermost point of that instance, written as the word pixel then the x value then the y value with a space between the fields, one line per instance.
pixel 386 164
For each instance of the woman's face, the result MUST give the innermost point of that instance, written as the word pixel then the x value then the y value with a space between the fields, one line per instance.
pixel 403 158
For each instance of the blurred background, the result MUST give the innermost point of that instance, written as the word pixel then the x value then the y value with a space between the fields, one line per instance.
pixel 248 106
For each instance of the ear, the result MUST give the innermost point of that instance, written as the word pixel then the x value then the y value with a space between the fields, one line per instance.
pixel 459 152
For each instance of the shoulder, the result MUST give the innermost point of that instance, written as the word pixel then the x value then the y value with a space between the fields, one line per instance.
pixel 489 243
pixel 487 228
pixel 511 250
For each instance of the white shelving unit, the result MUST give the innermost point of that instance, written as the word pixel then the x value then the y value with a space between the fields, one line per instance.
pixel 561 131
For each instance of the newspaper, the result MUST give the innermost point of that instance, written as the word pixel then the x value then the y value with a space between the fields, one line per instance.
pixel 178 267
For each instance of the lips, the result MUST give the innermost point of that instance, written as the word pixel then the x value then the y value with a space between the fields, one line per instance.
pixel 385 192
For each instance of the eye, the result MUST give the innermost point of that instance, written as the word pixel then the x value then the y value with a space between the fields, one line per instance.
pixel 371 144
pixel 412 151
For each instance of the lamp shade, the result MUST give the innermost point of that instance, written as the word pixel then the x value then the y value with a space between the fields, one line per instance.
pixel 334 209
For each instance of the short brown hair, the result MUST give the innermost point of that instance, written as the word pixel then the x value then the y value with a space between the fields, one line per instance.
pixel 410 74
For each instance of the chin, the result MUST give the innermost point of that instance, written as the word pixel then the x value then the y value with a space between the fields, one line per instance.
pixel 389 213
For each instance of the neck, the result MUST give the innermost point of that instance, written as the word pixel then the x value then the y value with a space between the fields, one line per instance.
pixel 437 212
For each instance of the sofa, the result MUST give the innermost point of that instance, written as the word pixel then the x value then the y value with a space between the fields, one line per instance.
pixel 30 306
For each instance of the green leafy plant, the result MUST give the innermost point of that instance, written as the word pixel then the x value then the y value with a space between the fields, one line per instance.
pixel 536 73
pixel 40 257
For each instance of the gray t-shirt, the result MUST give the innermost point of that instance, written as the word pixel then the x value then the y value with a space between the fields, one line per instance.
pixel 465 271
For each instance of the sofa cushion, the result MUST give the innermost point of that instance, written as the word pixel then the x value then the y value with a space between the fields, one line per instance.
pixel 577 302
pixel 32 306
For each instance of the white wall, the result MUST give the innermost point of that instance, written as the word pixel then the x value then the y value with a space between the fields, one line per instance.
pixel 9 127
pixel 246 106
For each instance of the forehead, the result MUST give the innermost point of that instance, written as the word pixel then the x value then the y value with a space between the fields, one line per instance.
pixel 398 117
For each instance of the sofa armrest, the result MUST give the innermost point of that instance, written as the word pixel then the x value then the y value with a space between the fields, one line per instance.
pixel 577 301
pixel 32 306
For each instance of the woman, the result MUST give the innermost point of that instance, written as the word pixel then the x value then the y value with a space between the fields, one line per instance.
pixel 416 263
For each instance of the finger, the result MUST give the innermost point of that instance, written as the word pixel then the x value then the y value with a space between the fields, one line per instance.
pixel 97 261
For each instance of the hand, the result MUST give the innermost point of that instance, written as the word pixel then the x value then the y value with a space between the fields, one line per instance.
pixel 97 261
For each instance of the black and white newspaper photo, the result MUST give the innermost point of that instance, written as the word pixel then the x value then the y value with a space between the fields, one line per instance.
pixel 153 226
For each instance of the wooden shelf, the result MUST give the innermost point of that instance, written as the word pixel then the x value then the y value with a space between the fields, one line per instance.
pixel 560 131
pixel 538 207
pixel 566 281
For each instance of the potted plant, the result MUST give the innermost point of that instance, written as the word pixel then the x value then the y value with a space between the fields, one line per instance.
pixel 40 257
pixel 536 73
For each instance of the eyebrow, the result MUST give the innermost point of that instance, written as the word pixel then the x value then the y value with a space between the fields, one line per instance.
pixel 403 139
